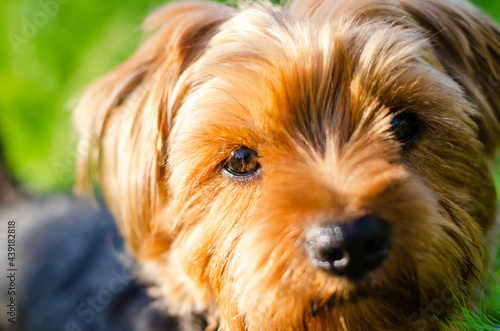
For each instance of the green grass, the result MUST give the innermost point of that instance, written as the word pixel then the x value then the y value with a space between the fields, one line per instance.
pixel 484 318
pixel 50 54
pixel 474 321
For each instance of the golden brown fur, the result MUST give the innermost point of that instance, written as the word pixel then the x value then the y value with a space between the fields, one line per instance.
pixel 313 88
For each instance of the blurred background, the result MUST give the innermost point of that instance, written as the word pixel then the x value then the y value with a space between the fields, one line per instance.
pixel 53 49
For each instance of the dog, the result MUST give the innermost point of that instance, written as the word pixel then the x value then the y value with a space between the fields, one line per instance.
pixel 320 165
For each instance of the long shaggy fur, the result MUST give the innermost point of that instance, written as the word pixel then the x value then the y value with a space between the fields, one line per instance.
pixel 312 87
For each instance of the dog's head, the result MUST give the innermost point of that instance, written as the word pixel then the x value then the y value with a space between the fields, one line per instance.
pixel 321 166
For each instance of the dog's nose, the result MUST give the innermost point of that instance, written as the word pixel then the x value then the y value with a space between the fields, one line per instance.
pixel 350 249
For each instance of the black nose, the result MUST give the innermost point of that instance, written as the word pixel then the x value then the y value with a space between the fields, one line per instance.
pixel 351 249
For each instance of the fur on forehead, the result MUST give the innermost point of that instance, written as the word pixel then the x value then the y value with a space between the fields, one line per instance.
pixel 272 72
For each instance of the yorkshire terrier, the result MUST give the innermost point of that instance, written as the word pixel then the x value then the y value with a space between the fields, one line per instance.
pixel 320 165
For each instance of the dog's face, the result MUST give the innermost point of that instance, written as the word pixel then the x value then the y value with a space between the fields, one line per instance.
pixel 322 166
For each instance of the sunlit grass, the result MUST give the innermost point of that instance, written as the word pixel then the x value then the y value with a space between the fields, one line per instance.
pixel 486 317
pixel 50 54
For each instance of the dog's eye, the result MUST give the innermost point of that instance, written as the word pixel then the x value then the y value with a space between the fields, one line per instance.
pixel 242 164
pixel 405 127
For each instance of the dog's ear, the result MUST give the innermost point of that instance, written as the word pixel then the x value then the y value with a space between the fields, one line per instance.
pixel 468 44
pixel 124 118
